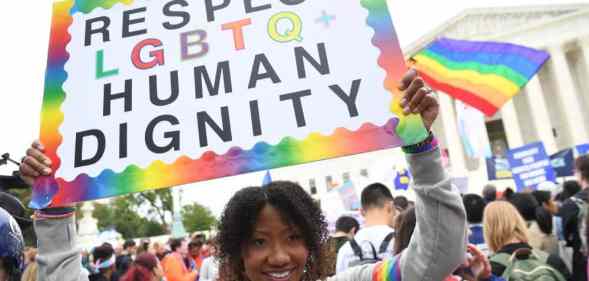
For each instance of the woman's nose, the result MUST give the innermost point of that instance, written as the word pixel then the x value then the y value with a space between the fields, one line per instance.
pixel 279 256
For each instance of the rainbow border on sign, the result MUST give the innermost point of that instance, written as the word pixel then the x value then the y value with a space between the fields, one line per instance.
pixel 49 191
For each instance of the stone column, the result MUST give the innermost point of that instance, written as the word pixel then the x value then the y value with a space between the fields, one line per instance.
pixel 584 43
pixel 540 116
pixel 511 125
pixel 573 108
pixel 455 148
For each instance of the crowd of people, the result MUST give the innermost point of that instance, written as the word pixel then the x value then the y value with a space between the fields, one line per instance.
pixel 540 228
pixel 277 232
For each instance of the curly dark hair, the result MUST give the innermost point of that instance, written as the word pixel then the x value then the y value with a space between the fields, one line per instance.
pixel 294 205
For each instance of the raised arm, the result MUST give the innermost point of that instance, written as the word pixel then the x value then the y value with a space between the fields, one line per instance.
pixel 438 245
pixel 58 256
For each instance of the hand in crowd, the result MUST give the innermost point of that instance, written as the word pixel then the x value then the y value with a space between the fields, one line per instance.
pixel 478 264
pixel 35 164
pixel 417 98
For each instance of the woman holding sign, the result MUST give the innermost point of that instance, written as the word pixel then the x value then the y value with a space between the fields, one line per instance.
pixel 276 233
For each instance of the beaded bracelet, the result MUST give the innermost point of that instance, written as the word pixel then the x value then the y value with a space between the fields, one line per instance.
pixel 429 144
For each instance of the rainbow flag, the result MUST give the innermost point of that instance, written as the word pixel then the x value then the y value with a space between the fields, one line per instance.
pixel 484 75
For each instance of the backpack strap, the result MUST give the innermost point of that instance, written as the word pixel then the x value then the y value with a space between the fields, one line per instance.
pixel 501 258
pixel 356 248
pixel 374 254
pixel 384 246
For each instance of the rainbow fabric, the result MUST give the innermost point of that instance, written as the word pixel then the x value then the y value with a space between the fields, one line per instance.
pixel 50 191
pixel 388 270
pixel 484 75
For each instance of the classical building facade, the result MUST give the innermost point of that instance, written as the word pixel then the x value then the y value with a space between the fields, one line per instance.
pixel 553 108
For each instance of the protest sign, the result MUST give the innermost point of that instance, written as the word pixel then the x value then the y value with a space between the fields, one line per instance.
pixel 144 94
pixel 402 179
pixel 349 196
pixel 563 163
pixel 498 168
pixel 530 166
pixel 583 149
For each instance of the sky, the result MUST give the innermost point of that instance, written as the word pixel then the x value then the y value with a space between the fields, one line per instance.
pixel 24 33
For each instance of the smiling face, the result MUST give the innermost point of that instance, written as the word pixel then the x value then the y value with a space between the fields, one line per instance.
pixel 276 250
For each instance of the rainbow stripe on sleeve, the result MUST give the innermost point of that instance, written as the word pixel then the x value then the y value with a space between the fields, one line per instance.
pixel 49 191
pixel 388 270
pixel 484 75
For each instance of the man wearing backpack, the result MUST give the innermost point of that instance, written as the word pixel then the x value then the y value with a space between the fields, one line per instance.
pixel 573 213
pixel 374 241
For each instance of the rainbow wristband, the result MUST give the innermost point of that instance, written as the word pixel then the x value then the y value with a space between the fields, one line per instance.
pixel 55 213
pixel 429 144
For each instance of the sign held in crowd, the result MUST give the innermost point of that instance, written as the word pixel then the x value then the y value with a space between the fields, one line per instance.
pixel 530 166
pixel 144 94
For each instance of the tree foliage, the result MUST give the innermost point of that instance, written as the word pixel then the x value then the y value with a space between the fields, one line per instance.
pixel 121 214
pixel 160 203
pixel 196 217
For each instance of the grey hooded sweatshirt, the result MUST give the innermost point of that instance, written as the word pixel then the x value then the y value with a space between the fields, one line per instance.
pixel 436 249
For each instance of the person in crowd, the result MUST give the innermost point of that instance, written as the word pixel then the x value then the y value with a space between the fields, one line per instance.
pixel 475 205
pixel 526 205
pixel 30 273
pixel 401 203
pixel 476 268
pixel 143 246
pixel 346 228
pixel 159 250
pixel 507 193
pixel 541 235
pixel 30 256
pixel 146 267
pixel 277 232
pixel 546 220
pixel 124 260
pixel 199 237
pixel 489 193
pixel 205 250
pixel 104 264
pixel 573 215
pixel 173 264
pixel 569 188
pixel 506 232
pixel 404 226
pixel 587 236
pixel 210 266
pixel 194 254
pixel 11 248
pixel 546 201
pixel 378 211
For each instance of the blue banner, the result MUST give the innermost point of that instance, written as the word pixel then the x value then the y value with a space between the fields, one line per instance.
pixel 563 163
pixel 530 166
pixel 498 168
pixel 583 149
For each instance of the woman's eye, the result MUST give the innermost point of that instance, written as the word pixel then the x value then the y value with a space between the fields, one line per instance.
pixel 259 242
